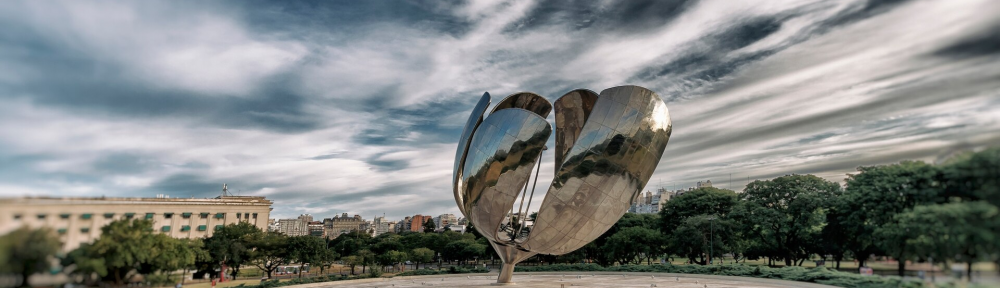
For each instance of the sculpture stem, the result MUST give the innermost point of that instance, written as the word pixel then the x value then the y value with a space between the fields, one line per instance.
pixel 506 273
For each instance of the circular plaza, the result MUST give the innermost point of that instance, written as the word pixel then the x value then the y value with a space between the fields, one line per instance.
pixel 572 279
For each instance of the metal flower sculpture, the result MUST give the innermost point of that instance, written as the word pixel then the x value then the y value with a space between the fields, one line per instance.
pixel 607 147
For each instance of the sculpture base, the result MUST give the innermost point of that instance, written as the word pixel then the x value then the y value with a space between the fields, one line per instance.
pixel 506 274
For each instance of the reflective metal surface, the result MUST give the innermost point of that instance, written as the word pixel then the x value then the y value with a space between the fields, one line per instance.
pixel 502 152
pixel 607 147
pixel 463 146
pixel 527 101
pixel 572 111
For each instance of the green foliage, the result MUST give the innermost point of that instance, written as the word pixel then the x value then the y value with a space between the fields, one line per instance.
pixel 421 255
pixel 130 246
pixel 429 226
pixel 816 275
pixel 233 245
pixel 699 222
pixel 633 245
pixel 786 214
pixel 876 194
pixel 306 250
pixel 27 251
pixel 270 251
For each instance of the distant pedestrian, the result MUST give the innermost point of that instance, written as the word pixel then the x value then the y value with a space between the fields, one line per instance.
pixel 178 285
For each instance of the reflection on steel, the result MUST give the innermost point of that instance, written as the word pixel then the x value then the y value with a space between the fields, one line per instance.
pixel 607 147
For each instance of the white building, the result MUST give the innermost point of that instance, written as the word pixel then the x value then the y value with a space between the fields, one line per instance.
pixel 79 220
pixel 293 227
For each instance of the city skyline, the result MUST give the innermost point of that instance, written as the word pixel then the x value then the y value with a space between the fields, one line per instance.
pixel 357 109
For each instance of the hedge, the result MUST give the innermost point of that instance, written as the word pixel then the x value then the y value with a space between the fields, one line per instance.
pixel 819 275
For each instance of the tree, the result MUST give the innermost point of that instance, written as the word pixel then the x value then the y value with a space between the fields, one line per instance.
pixel 429 226
pixel 270 251
pixel 682 218
pixel 960 231
pixel 124 245
pixel 352 261
pixel 392 258
pixel 834 235
pixel 787 213
pixel 84 264
pixel 130 246
pixel 367 259
pixel 462 250
pixel 421 255
pixel 306 250
pixel 233 245
pixel 28 251
pixel 700 236
pixel 633 245
pixel 975 177
pixel 875 195
pixel 326 258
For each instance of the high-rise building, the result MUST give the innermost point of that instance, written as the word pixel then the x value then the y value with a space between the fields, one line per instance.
pixel 293 227
pixel 79 220
pixel 650 202
pixel 306 218
pixel 443 220
pixel 381 226
pixel 316 228
pixel 416 223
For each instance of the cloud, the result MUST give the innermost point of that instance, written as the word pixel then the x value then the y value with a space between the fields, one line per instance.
pixel 355 107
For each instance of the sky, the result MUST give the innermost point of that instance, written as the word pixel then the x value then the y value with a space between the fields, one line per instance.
pixel 356 107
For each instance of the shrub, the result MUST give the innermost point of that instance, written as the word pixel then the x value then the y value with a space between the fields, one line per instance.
pixel 816 275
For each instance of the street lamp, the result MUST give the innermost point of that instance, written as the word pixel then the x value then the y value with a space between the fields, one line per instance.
pixel 711 239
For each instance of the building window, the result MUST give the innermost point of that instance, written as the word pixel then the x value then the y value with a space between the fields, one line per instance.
pixel 41 216
pixel 62 230
pixel 238 215
pixel 246 215
pixel 254 215
pixel 85 230
pixel 86 216
pixel 186 215
pixel 168 215
pixel 149 215
pixel 17 216
pixel 220 215
pixel 185 228
pixel 202 227
pixel 217 227
pixel 204 215
pixel 129 215
pixel 64 216
pixel 109 215
pixel 165 229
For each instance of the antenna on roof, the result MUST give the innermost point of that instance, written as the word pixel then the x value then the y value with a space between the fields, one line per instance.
pixel 225 190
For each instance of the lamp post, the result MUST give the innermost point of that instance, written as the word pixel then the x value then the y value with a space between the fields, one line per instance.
pixel 711 240
pixel 440 262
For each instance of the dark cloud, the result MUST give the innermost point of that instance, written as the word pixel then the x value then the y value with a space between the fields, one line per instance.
pixel 304 20
pixel 620 16
pixel 986 43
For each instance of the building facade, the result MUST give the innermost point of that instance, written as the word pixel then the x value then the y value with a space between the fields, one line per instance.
pixel 342 224
pixel 293 227
pixel 650 203
pixel 79 220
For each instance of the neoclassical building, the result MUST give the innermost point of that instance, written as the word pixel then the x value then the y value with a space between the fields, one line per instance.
pixel 79 220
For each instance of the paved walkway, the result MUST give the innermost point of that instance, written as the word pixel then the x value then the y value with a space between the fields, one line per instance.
pixel 572 279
